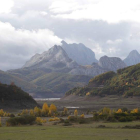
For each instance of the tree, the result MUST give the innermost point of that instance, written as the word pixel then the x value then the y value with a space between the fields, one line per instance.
pixel 106 111
pixel 82 116
pixel 65 111
pixel 37 111
pixel 1 113
pixel 75 113
pixel 45 108
pixel 32 112
pixel 53 108
pixel 119 111
pixel 136 110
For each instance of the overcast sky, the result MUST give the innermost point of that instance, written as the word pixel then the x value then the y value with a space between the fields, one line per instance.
pixel 108 27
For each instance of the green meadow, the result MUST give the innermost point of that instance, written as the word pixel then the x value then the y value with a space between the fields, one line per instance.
pixel 111 131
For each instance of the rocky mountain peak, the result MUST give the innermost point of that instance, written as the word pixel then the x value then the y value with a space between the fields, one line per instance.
pixel 54 57
pixel 79 53
pixel 111 63
pixel 134 52
pixel 133 58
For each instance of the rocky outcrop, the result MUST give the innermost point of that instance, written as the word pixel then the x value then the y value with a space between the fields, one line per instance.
pixel 79 53
pixel 111 63
pixel 91 70
pixel 54 58
pixel 133 58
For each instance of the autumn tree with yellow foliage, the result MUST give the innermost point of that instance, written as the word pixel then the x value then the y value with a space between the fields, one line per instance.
pixel 136 110
pixel 37 111
pixel 53 108
pixel 119 111
pixel 45 109
pixel 75 113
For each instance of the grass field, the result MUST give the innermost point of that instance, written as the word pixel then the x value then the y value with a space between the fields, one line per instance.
pixel 113 131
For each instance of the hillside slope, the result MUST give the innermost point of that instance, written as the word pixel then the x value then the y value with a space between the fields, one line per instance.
pixel 41 84
pixel 7 78
pixel 56 84
pixel 126 82
pixel 12 96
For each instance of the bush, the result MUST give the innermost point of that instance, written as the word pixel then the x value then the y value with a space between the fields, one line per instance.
pixel 20 120
pixel 67 123
pixel 72 118
pixel 81 120
pixel 111 119
pixel 125 119
pixel 40 121
pixel 54 119
pixel 11 115
pixel 61 120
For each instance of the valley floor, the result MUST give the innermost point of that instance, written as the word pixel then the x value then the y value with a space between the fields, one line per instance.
pixel 112 131
pixel 85 104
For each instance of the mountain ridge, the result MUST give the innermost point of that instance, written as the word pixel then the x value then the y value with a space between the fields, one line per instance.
pixel 79 53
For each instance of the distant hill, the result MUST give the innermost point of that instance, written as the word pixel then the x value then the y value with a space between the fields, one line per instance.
pixel 79 53
pixel 126 82
pixel 41 84
pixel 133 58
pixel 56 84
pixel 12 96
pixel 20 81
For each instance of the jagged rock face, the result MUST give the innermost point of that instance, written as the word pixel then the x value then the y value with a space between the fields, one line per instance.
pixel 55 57
pixel 133 58
pixel 111 63
pixel 91 70
pixel 79 53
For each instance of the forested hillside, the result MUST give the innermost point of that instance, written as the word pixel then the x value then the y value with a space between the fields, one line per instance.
pixel 12 96
pixel 126 82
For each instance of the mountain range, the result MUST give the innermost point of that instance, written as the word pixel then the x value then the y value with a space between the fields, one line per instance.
pixel 61 68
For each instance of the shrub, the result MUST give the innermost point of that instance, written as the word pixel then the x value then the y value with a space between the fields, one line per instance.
pixel 0 122
pixel 82 116
pixel 72 118
pixel 20 120
pixel 67 123
pixel 61 120
pixel 40 121
pixel 111 119
pixel 11 115
pixel 125 119
pixel 81 120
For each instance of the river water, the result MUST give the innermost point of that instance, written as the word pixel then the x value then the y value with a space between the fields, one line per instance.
pixel 47 99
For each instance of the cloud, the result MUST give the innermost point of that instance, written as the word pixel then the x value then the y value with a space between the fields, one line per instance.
pixel 114 42
pixel 18 45
pixel 32 26
pixel 107 10
pixel 6 5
